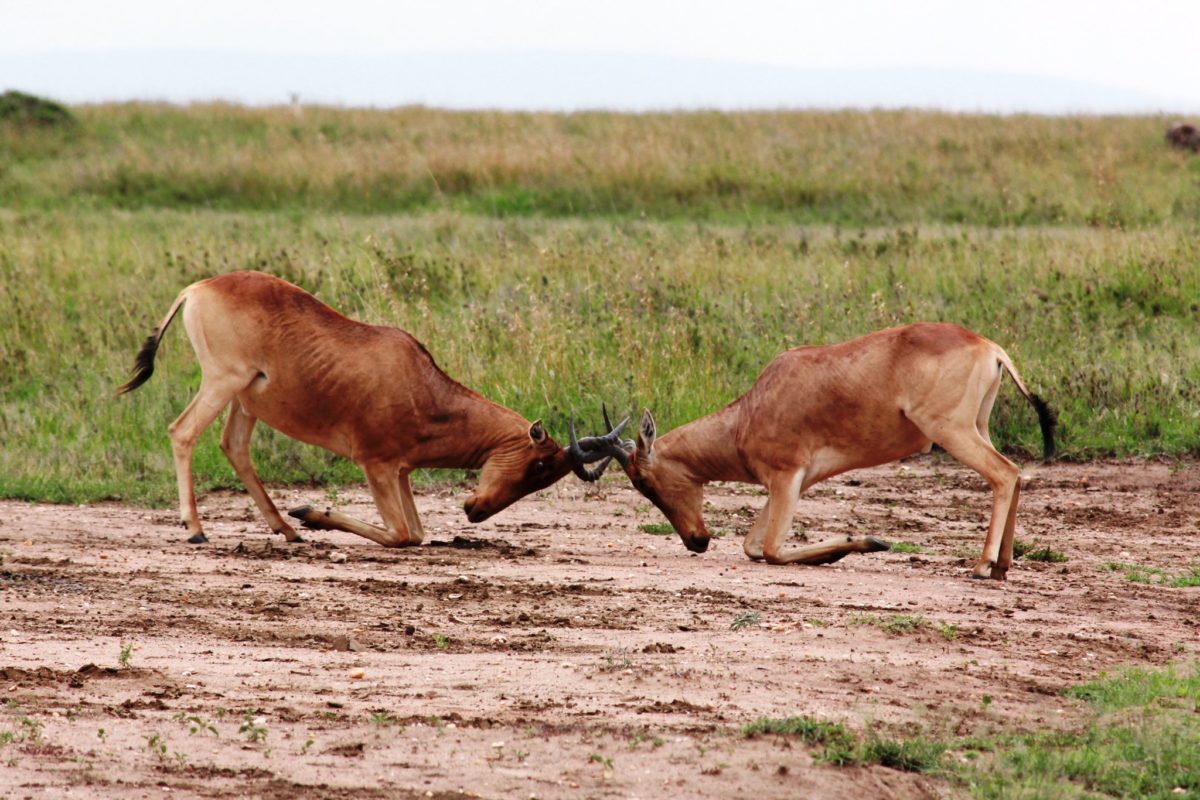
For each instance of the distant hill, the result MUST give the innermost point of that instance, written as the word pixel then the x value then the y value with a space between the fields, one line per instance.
pixel 545 81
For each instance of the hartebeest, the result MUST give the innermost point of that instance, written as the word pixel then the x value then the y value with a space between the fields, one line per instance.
pixel 270 351
pixel 816 412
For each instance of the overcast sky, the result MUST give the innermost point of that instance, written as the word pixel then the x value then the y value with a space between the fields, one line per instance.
pixel 1144 49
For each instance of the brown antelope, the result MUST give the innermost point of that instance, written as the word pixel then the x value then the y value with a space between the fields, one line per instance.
pixel 816 412
pixel 271 351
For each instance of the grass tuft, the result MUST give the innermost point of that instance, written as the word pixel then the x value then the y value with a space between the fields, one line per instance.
pixel 1031 552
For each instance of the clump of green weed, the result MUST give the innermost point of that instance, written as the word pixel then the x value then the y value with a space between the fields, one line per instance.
pixel 896 624
pixel 1031 552
pixel 615 661
pixel 910 755
pixel 748 619
pixel 196 724
pixel 1136 573
pixel 252 727
pixel 1190 579
pixel 125 654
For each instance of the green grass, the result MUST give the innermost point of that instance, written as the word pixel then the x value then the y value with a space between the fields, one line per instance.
pixel 842 747
pixel 513 246
pixel 1031 552
pixel 1136 573
pixel 682 321
pixel 1045 555
pixel 1140 739
pixel 747 619
pixel 896 624
pixel 1139 573
pixel 1143 742
pixel 657 528
pixel 1192 578
pixel 906 547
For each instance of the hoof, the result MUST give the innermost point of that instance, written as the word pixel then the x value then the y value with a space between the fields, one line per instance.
pixel 312 519
pixel 198 538
pixel 983 570
pixel 297 540
pixel 876 545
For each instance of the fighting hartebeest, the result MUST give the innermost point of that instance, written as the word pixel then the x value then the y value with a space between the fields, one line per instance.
pixel 270 351
pixel 816 412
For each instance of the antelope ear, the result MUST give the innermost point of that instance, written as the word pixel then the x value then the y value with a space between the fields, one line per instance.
pixel 537 433
pixel 645 437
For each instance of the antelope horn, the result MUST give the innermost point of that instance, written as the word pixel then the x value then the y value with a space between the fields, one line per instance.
pixel 625 445
pixel 594 448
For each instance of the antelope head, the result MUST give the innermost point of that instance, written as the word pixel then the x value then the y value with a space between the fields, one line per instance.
pixel 531 464
pixel 662 480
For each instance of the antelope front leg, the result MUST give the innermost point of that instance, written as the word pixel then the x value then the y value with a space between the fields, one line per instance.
pixel 384 482
pixel 753 544
pixel 831 550
pixel 330 520
pixel 235 443
pixel 775 521
pixel 783 492
pixel 416 531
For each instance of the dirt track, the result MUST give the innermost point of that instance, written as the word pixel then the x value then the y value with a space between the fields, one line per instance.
pixel 558 650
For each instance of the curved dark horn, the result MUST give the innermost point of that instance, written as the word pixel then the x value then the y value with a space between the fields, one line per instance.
pixel 578 456
pixel 623 447
pixel 596 448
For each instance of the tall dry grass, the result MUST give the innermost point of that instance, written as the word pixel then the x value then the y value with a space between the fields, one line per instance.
pixel 845 168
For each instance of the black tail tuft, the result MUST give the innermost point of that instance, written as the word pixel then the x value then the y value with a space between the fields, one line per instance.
pixel 143 366
pixel 1049 422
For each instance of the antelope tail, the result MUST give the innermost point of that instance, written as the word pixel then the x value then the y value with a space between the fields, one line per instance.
pixel 1046 416
pixel 143 366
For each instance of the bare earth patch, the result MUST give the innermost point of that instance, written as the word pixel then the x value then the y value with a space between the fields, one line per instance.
pixel 560 651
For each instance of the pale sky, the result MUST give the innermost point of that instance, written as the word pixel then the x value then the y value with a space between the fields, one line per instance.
pixel 1148 47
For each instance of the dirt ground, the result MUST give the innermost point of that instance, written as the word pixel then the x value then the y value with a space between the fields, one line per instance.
pixel 560 651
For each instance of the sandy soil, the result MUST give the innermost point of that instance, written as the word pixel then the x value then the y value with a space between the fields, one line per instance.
pixel 558 650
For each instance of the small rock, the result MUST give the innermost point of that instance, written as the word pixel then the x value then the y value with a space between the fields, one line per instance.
pixel 346 644
pixel 337 557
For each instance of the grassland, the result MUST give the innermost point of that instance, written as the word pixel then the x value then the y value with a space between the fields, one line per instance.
pixel 844 168
pixel 1141 740
pixel 554 261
